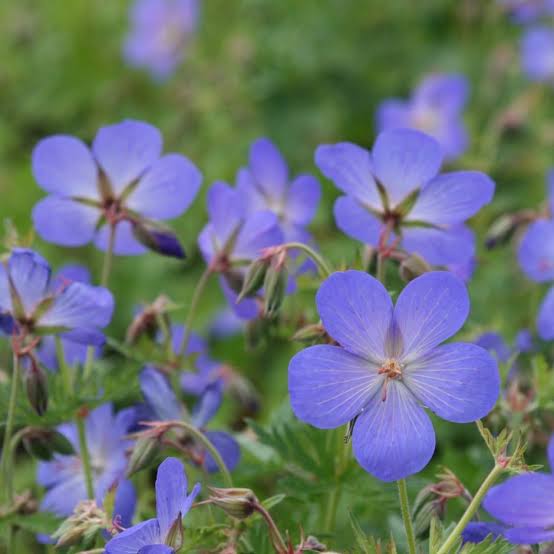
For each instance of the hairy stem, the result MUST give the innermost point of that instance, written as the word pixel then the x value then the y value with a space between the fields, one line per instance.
pixel 322 266
pixel 85 456
pixel 406 517
pixel 108 258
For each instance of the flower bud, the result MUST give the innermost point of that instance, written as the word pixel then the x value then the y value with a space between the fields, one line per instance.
pixel 157 238
pixel 275 284
pixel 254 278
pixel 144 454
pixel 236 502
pixel 36 384
pixel 500 231
pixel 44 443
pixel 413 266
pixel 309 333
pixel 175 535
pixel 87 520
pixel 146 321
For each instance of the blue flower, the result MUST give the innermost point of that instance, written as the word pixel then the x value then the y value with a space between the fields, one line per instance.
pixel 64 476
pixel 122 182
pixel 379 207
pixel 527 11
pixel 389 364
pixel 478 531
pixel 436 108
pixel 537 54
pixel 172 504
pixel 525 504
pixel 160 33
pixel 32 303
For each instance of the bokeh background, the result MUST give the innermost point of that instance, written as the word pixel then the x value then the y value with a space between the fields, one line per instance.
pixel 302 73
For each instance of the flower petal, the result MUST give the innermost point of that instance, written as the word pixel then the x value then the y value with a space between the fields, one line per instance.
pixel 246 309
pixel 356 221
pixel 430 309
pixel 459 382
pixel 30 274
pixel 132 540
pixel 64 221
pixel 302 199
pixel 62 498
pixel 171 493
pixel 529 535
pixel 228 449
pixel 208 404
pixel 550 453
pixel 393 438
pixel 124 503
pixel 452 198
pixel 477 531
pixel 64 165
pixel 159 395
pixel 80 305
pixel 536 251
pixel 328 386
pixel 393 114
pixel 167 189
pixel 126 150
pixel 125 242
pixel 526 500
pixel 404 160
pixel 156 549
pixel 356 310
pixel 259 231
pixel 349 167
pixel 226 209
pixel 268 167
pixel 455 245
pixel 545 318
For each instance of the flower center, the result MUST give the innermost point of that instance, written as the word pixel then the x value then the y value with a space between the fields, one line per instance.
pixel 392 370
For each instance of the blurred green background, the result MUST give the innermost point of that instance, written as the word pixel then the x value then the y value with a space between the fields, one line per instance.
pixel 302 72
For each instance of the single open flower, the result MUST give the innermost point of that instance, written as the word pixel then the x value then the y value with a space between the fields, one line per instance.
pixel 537 54
pixel 122 183
pixel 389 365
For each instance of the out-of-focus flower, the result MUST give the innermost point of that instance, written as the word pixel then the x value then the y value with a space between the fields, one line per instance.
pixel 537 54
pixel 395 197
pixel 266 186
pixel 32 304
pixel 233 238
pixel 527 11
pixel 478 531
pixel 122 183
pixel 64 476
pixel 226 324
pixel 160 33
pixel 172 504
pixel 525 504
pixel 436 108
pixel 389 363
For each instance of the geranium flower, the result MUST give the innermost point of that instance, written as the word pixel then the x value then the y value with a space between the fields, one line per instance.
pixel 537 54
pixel 123 183
pixel 389 365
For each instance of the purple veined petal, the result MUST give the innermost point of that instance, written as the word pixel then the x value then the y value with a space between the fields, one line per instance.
pixel 536 251
pixel 156 549
pixel 58 470
pixel 125 242
pixel 80 305
pixel 259 231
pixel 537 53
pixel 208 404
pixel 126 150
pixel 64 221
pixel 246 309
pixel 63 165
pixel 349 167
pixel 458 381
pixel 442 91
pixel 159 395
pixel 187 504
pixel 394 438
pixel 303 199
pixel 495 344
pixel 430 309
pixel 550 191
pixel 526 500
pixel 167 189
pixel 99 427
pixel 208 242
pixel 84 335
pixel 451 246
pixel 252 195
pixel 356 221
pixel 356 310
pixel 228 449
pixel 404 160
pixel 328 386
pixel 74 352
pixel 452 198
pixel 545 317
pixel 72 272
pixel 268 167
pixel 393 114
pixel 529 535
pixel 463 270
pixel 226 210
pixel 550 453
pixel 132 540
pixel 62 498
pixel 477 531
pixel 171 493
pixel 30 274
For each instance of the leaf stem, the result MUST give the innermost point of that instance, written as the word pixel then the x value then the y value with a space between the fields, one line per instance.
pixel 405 508
pixel 85 456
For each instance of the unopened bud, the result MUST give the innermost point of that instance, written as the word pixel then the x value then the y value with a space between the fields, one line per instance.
pixel 275 284
pixel 44 443
pixel 309 333
pixel 36 384
pixel 157 238
pixel 144 454
pixel 312 544
pixel 413 266
pixel 175 535
pixel 500 231
pixel 425 514
pixel 87 520
pixel 146 321
pixel 238 503
pixel 254 278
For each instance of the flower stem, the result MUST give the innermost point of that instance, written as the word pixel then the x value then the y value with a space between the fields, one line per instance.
pixel 89 360
pixel 380 272
pixel 85 456
pixel 323 267
pixel 491 478
pixel 108 257
pixel 201 437
pixel 65 370
pixel 5 465
pixel 197 294
pixel 405 508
